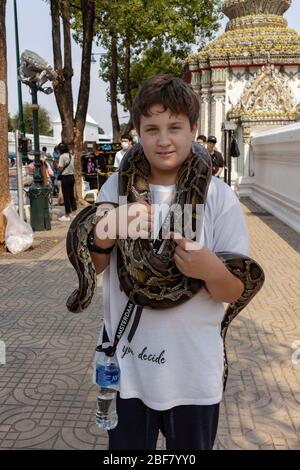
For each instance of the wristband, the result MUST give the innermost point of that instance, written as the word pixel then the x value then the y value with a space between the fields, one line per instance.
pixel 96 249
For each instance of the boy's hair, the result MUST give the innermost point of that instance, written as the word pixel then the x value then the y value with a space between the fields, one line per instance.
pixel 127 136
pixel 170 92
pixel 202 137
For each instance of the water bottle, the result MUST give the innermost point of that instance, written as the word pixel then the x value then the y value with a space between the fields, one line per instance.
pixel 107 378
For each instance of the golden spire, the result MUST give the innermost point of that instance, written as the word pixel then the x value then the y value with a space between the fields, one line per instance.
pixel 255 28
pixel 255 13
pixel 238 8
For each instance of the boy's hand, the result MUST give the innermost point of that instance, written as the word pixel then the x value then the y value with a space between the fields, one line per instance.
pixel 134 220
pixel 126 221
pixel 198 262
pixel 195 261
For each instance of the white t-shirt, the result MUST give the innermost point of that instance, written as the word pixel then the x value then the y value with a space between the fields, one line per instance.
pixel 176 355
pixel 64 159
pixel 118 157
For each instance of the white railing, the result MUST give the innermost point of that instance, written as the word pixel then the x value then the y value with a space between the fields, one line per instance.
pixel 276 186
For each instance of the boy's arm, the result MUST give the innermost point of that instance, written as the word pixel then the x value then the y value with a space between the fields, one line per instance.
pixel 222 285
pixel 204 264
pixel 110 223
pixel 101 261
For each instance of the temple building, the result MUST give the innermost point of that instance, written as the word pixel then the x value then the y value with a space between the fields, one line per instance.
pixel 249 76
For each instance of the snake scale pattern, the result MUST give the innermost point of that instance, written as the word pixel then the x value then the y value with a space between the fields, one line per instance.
pixel 150 279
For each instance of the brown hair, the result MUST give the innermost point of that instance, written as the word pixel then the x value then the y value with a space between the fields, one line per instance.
pixel 171 92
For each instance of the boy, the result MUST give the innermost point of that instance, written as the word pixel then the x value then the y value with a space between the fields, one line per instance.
pixel 171 371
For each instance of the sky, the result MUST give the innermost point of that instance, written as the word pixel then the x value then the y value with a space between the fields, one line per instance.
pixel 34 23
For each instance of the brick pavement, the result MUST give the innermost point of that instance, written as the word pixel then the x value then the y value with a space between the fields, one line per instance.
pixel 47 400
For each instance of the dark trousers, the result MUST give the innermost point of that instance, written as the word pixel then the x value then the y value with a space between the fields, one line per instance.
pixel 187 427
pixel 67 187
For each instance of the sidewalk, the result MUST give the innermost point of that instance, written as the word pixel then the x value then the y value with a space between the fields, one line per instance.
pixel 47 400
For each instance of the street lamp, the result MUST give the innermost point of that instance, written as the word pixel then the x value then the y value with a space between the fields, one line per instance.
pixel 20 101
pixel 228 128
pixel 35 72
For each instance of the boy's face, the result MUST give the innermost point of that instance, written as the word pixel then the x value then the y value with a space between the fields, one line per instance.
pixel 166 139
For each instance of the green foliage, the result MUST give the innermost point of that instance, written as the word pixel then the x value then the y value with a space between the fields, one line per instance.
pixel 100 131
pixel 158 33
pixel 45 127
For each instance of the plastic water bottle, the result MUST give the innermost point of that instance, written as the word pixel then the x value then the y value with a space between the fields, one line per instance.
pixel 107 378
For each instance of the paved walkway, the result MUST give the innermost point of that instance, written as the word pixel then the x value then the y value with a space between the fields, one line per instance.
pixel 47 400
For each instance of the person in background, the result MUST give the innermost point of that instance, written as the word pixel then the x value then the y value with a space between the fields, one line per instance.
pixel 135 137
pixel 126 143
pixel 46 169
pixel 216 156
pixel 67 168
pixel 55 154
pixel 201 139
pixel 12 162
pixel 44 152
pixel 55 182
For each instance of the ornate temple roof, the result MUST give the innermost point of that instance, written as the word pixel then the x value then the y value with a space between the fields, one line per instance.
pixel 256 29
pixel 237 8
pixel 266 99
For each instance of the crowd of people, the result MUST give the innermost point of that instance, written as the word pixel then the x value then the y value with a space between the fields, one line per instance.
pixel 217 158
pixel 57 172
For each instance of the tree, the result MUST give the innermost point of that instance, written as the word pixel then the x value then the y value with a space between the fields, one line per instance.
pixel 4 184
pixel 134 32
pixel 72 126
pixel 45 127
pixel 154 60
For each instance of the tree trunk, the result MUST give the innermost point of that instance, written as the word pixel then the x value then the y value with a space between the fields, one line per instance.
pixel 129 125
pixel 88 21
pixel 67 134
pixel 113 88
pixel 63 92
pixel 127 88
pixel 73 127
pixel 4 182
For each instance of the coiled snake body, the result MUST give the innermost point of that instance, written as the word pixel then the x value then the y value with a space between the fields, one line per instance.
pixel 147 278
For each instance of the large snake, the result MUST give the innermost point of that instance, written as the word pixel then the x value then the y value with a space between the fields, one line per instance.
pixel 147 278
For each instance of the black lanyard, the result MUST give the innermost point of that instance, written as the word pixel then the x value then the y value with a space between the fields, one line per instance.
pixel 126 316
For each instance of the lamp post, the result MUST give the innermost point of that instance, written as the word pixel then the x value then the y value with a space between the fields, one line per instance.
pixel 228 128
pixel 35 72
pixel 19 84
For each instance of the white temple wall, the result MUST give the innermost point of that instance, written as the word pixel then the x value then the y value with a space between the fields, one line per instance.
pixel 237 164
pixel 235 88
pixel 219 104
pixel 294 82
pixel 276 184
